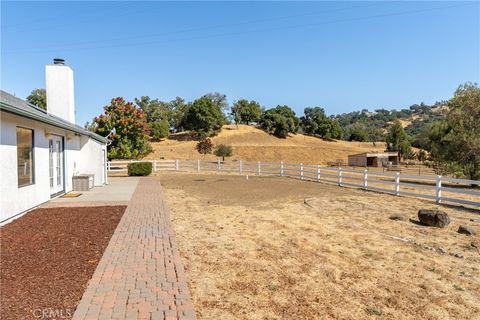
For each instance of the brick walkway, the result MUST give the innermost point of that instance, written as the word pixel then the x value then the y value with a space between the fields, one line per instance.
pixel 140 275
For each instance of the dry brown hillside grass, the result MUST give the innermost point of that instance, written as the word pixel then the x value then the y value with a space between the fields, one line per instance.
pixel 252 144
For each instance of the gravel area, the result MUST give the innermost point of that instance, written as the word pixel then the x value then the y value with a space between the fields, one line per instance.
pixel 48 256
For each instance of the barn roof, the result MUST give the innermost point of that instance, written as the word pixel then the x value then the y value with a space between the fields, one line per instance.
pixel 374 154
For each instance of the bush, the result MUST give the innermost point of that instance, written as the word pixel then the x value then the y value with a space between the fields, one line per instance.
pixel 139 168
pixel 204 146
pixel 223 150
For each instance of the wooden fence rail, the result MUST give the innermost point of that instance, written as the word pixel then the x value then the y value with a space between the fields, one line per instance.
pixel 438 188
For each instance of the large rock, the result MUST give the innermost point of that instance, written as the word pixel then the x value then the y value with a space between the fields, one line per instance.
pixel 466 230
pixel 433 218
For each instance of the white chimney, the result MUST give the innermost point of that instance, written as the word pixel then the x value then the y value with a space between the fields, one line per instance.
pixel 59 87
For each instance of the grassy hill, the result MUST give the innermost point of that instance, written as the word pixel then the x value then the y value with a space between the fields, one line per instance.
pixel 252 144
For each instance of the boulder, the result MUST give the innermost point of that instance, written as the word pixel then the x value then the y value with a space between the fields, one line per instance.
pixel 398 216
pixel 466 230
pixel 433 218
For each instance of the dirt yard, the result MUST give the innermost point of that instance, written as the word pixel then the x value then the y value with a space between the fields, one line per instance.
pixel 279 248
pixel 47 258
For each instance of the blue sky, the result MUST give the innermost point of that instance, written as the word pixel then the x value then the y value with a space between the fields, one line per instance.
pixel 342 56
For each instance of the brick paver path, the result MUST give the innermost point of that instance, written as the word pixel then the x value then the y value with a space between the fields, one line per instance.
pixel 140 275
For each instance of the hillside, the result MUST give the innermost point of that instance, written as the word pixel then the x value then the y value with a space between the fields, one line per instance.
pixel 252 144
pixel 375 124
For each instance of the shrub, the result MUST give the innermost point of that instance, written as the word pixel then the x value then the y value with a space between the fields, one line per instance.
pixel 204 146
pixel 223 150
pixel 139 168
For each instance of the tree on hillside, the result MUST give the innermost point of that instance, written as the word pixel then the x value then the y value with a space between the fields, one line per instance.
pixel 356 132
pixel 131 137
pixel 204 117
pixel 204 146
pixel 223 150
pixel 246 112
pixel 398 140
pixel 154 109
pixel 316 122
pixel 38 97
pixel 159 129
pixel 179 108
pixel 158 114
pixel 279 121
pixel 455 141
pixel 219 100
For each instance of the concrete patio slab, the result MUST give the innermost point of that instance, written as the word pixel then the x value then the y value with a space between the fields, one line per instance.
pixel 119 191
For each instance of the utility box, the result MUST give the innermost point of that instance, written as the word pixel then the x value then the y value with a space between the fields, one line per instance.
pixel 83 182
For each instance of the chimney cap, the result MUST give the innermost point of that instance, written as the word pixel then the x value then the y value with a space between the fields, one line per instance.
pixel 59 61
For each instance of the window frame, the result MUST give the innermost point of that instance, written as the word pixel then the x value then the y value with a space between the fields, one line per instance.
pixel 33 155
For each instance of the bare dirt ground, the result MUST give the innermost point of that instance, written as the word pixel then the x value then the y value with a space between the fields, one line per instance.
pixel 48 256
pixel 252 144
pixel 279 248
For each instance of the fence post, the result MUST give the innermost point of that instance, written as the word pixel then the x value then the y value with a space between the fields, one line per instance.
pixel 397 184
pixel 176 165
pixel 318 173
pixel 365 179
pixel 438 195
pixel 154 165
pixel 198 165
pixel 281 168
pixel 301 171
pixel 258 168
pixel 218 165
pixel 339 176
pixel 240 165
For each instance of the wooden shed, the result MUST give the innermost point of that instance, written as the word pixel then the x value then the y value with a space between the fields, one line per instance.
pixel 373 159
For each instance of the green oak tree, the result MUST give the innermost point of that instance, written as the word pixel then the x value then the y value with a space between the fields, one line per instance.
pixel 204 117
pixel 279 121
pixel 246 112
pixel 38 97
pixel 455 141
pixel 398 140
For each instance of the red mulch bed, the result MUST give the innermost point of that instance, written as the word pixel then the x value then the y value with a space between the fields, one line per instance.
pixel 48 256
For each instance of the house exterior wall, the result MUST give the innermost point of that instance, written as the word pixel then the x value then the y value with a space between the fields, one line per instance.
pixel 82 155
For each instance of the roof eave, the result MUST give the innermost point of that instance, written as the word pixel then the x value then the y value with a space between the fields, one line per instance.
pixel 19 112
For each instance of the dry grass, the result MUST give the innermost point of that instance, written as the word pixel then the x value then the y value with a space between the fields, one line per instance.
pixel 252 144
pixel 254 250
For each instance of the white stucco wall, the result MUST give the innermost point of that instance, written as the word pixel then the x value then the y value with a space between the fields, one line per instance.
pixel 89 158
pixel 82 155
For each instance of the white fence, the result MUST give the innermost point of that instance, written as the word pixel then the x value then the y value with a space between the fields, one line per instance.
pixel 438 188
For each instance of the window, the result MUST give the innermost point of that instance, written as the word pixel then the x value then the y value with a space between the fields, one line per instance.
pixel 25 160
